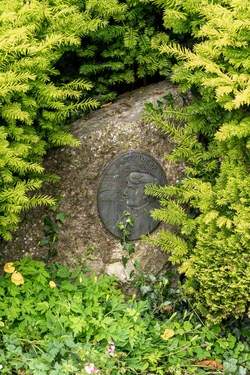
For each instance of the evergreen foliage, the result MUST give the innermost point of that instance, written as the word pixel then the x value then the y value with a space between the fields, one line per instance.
pixel 33 36
pixel 125 50
pixel 211 205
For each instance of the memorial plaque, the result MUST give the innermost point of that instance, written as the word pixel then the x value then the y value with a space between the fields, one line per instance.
pixel 121 189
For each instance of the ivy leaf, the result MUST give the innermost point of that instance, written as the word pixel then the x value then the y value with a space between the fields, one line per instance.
pixel 230 366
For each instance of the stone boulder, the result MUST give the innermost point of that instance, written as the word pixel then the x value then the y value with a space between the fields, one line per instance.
pixel 82 240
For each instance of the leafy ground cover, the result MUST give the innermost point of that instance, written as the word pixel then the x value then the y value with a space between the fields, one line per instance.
pixel 57 321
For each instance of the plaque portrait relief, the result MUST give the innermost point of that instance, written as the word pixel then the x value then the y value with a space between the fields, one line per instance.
pixel 121 189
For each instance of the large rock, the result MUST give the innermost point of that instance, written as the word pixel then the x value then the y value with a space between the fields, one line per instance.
pixel 104 134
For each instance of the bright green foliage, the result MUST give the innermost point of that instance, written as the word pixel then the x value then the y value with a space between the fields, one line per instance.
pixel 213 246
pixel 59 327
pixel 181 17
pixel 126 49
pixel 33 36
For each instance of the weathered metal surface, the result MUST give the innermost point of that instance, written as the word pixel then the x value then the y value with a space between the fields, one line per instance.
pixel 121 189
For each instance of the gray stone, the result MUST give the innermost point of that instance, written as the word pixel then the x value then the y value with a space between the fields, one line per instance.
pixel 118 270
pixel 114 129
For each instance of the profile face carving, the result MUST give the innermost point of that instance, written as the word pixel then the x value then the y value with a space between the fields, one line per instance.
pixel 121 189
pixel 134 191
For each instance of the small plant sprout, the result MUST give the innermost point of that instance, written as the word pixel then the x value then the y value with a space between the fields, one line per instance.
pixel 125 225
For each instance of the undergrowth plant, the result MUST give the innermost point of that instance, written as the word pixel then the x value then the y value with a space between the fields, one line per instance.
pixel 125 226
pixel 52 224
pixel 58 321
pixel 210 207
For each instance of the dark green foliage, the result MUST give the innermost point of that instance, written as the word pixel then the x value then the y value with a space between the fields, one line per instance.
pixel 211 205
pixel 59 321
pixel 125 50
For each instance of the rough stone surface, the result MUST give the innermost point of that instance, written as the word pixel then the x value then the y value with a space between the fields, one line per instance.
pixel 82 240
pixel 118 270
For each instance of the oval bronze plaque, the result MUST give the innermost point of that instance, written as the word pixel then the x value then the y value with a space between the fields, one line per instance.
pixel 121 190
